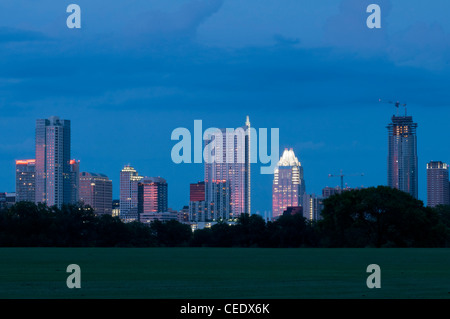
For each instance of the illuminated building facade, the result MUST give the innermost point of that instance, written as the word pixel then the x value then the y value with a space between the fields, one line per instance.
pixel 437 184
pixel 115 208
pixel 227 169
pixel 197 192
pixel 312 207
pixel 197 204
pixel 74 181
pixel 220 206
pixel 152 195
pixel 288 184
pixel 53 182
pixel 95 190
pixel 26 180
pixel 129 179
pixel 198 211
pixel 402 155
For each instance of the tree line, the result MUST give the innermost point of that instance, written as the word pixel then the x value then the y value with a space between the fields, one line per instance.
pixel 371 217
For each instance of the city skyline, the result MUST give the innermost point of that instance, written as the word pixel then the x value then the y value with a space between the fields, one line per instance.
pixel 313 70
pixel 400 125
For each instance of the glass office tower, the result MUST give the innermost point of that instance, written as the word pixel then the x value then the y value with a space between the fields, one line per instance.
pixel 227 172
pixel 129 179
pixel 437 184
pixel 402 155
pixel 53 171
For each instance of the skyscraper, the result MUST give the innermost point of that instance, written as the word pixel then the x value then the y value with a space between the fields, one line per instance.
pixel 288 183
pixel 437 184
pixel 129 179
pixel 74 180
pixel 229 162
pixel 95 190
pixel 152 195
pixel 53 182
pixel 220 205
pixel 402 155
pixel 25 180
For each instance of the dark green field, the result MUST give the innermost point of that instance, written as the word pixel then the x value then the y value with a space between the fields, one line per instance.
pixel 200 273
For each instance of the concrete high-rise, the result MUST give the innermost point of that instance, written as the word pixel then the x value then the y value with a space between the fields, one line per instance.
pixel 288 184
pixel 53 182
pixel 129 179
pixel 228 161
pixel 25 180
pixel 95 190
pixel 437 184
pixel 402 155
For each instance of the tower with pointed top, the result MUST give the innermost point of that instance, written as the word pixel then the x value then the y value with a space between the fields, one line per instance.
pixel 227 173
pixel 288 183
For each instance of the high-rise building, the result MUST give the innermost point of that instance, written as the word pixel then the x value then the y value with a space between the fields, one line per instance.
pixel 74 180
pixel 329 191
pixel 437 184
pixel 198 211
pixel 402 155
pixel 288 183
pixel 53 182
pixel 228 159
pixel 129 179
pixel 95 190
pixel 220 205
pixel 197 204
pixel 152 195
pixel 312 207
pixel 25 180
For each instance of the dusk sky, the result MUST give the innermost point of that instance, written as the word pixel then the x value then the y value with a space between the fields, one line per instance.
pixel 138 69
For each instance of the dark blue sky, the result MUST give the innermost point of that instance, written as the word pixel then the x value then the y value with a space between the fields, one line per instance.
pixel 137 70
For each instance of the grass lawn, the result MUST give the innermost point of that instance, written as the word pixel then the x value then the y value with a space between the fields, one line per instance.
pixel 224 273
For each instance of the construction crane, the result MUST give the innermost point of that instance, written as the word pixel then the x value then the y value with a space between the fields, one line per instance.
pixel 342 177
pixel 397 104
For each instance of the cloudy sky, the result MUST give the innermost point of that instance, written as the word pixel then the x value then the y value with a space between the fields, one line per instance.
pixel 138 69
